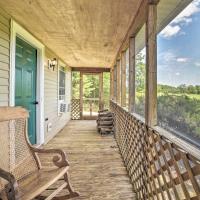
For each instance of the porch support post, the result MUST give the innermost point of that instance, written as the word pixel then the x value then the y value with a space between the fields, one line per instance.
pixel 115 83
pixel 118 82
pixel 101 99
pixel 81 95
pixel 151 64
pixel 131 100
pixel 123 79
pixel 111 83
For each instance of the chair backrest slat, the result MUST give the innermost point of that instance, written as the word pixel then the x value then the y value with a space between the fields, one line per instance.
pixel 13 113
pixel 15 154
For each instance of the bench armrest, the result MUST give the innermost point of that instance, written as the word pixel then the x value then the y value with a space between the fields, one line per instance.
pixel 11 188
pixel 59 160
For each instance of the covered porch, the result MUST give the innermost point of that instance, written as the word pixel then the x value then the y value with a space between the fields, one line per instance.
pixel 48 47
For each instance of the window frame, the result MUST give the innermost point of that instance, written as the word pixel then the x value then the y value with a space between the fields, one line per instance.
pixel 61 68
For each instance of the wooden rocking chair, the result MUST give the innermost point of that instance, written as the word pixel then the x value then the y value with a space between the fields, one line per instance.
pixel 23 175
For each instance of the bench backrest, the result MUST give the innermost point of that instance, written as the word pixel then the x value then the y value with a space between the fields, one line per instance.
pixel 15 154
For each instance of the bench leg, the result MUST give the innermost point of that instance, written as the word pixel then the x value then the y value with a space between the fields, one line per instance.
pixel 69 187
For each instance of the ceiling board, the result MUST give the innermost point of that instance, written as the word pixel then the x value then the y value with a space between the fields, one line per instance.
pixel 85 33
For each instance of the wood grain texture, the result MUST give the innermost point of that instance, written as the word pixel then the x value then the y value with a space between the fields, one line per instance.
pixel 21 164
pixel 135 26
pixel 115 83
pixel 90 69
pixel 151 66
pixel 96 168
pixel 161 166
pixel 111 83
pixel 101 103
pixel 131 74
pixel 10 113
pixel 123 79
pixel 118 95
pixel 81 95
pixel 84 33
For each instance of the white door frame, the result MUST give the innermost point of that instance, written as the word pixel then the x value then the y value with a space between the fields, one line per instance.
pixel 18 31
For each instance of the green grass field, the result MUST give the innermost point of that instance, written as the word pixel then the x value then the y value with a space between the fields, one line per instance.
pixel 191 96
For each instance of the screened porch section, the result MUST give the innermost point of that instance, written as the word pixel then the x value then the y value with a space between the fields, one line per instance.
pixel 155 100
pixel 137 60
pixel 90 92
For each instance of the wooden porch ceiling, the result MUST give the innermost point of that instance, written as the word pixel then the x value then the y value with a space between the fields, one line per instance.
pixel 84 33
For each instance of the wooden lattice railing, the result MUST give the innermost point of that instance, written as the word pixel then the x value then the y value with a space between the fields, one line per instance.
pixel 158 168
pixel 75 109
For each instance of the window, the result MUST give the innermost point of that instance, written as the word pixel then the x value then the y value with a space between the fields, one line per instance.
pixel 140 72
pixel 61 84
pixel 179 73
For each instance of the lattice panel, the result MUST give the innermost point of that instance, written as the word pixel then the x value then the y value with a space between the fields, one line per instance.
pixel 75 109
pixel 158 168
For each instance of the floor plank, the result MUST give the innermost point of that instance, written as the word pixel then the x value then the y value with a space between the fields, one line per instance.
pixel 96 168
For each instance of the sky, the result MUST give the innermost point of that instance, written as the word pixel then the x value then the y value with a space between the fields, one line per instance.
pixel 179 48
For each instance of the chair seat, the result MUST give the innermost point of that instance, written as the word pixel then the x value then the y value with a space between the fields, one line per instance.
pixel 35 183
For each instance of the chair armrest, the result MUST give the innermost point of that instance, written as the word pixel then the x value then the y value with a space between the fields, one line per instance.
pixel 11 188
pixel 59 160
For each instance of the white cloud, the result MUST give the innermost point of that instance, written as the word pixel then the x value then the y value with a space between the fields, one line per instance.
pixel 170 31
pixel 167 57
pixel 184 18
pixel 177 73
pixel 197 64
pixel 171 56
pixel 186 14
pixel 182 60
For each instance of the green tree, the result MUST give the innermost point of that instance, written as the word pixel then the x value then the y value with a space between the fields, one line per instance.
pixel 140 72
pixel 140 83
pixel 75 85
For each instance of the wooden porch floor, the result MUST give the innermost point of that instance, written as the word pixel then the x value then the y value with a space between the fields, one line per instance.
pixel 96 168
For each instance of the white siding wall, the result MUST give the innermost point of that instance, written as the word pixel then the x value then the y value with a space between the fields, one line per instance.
pixel 51 98
pixel 50 82
pixel 4 57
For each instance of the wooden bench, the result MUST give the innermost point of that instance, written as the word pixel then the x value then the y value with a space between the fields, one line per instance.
pixel 23 174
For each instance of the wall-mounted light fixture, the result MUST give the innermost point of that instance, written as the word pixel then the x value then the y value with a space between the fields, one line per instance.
pixel 52 63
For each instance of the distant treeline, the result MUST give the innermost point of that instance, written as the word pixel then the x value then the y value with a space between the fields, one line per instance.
pixel 190 89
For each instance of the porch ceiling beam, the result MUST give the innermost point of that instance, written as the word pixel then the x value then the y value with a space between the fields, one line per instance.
pixel 135 26
pixel 90 69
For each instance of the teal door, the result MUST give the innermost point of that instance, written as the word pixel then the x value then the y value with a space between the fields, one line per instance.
pixel 25 83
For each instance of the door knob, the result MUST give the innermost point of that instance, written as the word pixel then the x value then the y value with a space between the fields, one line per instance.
pixel 35 102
